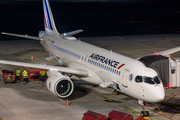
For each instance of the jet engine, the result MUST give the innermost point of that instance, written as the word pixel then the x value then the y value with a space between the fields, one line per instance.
pixel 58 84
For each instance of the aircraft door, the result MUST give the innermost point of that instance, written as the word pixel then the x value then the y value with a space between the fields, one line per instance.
pixel 125 78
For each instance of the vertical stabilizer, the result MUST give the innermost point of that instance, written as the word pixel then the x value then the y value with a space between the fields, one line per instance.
pixel 48 18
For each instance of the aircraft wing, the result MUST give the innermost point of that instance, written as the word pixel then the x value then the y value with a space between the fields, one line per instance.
pixel 78 72
pixel 23 36
pixel 165 52
pixel 169 51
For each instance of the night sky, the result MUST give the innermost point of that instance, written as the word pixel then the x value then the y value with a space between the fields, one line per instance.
pixel 102 18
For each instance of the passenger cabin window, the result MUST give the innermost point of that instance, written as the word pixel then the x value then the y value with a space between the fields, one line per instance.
pixel 138 79
pixel 85 58
pixel 148 80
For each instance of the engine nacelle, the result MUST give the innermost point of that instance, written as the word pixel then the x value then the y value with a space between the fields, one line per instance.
pixel 58 84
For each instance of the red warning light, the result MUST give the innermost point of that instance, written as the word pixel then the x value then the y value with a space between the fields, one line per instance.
pixel 169 55
pixel 168 86
pixel 155 53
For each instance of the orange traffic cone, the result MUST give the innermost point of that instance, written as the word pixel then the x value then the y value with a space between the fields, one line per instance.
pixel 67 103
pixel 41 85
pixel 32 58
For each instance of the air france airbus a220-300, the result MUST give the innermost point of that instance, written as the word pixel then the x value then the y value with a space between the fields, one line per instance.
pixel 92 64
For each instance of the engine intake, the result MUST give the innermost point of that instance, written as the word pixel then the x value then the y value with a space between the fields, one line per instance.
pixel 59 84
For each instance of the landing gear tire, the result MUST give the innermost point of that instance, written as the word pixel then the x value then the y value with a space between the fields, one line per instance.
pixel 147 113
pixel 144 114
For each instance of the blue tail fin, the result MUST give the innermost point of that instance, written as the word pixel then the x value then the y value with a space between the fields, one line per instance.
pixel 48 18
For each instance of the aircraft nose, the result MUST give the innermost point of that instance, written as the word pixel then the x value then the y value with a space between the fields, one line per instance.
pixel 160 95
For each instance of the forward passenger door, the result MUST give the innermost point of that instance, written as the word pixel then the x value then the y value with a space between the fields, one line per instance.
pixel 125 77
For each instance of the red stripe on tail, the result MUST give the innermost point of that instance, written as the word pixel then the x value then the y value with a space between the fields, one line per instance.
pixel 45 20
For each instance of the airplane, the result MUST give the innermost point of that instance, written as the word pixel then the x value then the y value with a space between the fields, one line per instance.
pixel 92 64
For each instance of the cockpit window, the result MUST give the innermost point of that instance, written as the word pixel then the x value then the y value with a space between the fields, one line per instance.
pixel 148 80
pixel 156 80
pixel 138 79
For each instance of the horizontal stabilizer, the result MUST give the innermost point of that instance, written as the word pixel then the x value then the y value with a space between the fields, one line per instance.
pixel 78 72
pixel 23 36
pixel 72 32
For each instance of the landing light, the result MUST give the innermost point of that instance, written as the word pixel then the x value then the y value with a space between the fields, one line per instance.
pixel 64 34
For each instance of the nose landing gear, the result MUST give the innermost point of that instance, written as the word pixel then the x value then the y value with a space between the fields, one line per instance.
pixel 144 113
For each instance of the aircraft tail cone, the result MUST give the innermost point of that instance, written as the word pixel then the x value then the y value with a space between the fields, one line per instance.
pixel 67 103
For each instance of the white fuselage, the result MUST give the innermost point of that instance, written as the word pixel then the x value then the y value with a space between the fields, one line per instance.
pixel 104 65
